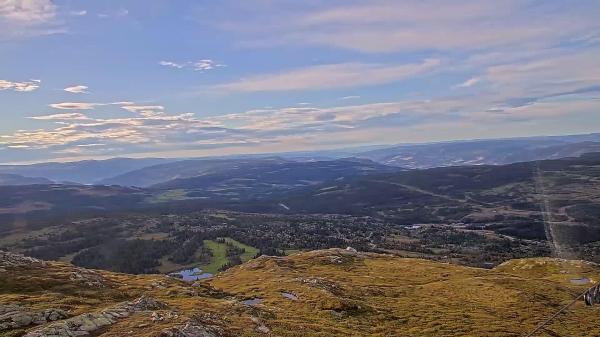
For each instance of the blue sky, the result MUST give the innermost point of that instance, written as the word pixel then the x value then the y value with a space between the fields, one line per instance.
pixel 177 78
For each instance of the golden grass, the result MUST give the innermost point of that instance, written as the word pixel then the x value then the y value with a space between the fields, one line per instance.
pixel 339 294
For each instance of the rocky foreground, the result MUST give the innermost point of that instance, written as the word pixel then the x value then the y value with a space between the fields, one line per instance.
pixel 322 293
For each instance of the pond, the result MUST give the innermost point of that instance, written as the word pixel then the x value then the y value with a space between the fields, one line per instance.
pixel 191 274
pixel 581 280
pixel 252 301
pixel 289 296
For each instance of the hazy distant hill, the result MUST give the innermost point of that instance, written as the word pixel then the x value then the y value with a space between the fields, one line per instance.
pixel 508 198
pixel 15 179
pixel 83 172
pixel 265 177
pixel 481 152
pixel 161 173
pixel 146 172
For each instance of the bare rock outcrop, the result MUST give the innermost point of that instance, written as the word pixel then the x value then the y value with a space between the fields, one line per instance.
pixel 189 330
pixel 11 260
pixel 88 323
pixel 14 316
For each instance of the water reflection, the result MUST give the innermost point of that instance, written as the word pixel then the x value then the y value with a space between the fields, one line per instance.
pixel 191 274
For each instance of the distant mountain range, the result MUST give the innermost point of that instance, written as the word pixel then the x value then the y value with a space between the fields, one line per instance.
pixel 270 176
pixel 179 170
pixel 484 152
pixel 520 199
pixel 148 172
pixel 82 172
pixel 15 179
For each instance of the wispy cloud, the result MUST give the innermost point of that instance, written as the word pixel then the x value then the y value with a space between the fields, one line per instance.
pixel 145 110
pixel 201 65
pixel 76 89
pixel 73 105
pixel 171 64
pixel 20 86
pixel 383 26
pixel 122 12
pixel 206 64
pixel 469 83
pixel 22 18
pixel 30 11
pixel 151 128
pixel 343 75
pixel 82 12
pixel 60 117
pixel 84 105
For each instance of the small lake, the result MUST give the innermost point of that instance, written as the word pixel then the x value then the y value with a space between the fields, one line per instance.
pixel 252 301
pixel 190 275
pixel 289 296
pixel 581 280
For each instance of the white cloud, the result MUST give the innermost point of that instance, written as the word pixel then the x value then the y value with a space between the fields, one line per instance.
pixel 19 86
pixel 381 26
pixel 343 75
pixel 76 89
pixel 469 83
pixel 349 97
pixel 122 12
pixel 201 65
pixel 145 110
pixel 151 129
pixel 207 64
pixel 543 74
pixel 82 12
pixel 171 64
pixel 73 105
pixel 91 145
pixel 84 105
pixel 22 18
pixel 27 11
pixel 65 116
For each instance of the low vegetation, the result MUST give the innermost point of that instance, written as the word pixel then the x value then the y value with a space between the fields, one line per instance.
pixel 328 293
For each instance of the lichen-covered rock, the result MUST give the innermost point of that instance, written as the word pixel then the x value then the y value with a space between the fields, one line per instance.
pixel 88 323
pixel 189 330
pixel 88 278
pixel 11 260
pixel 13 316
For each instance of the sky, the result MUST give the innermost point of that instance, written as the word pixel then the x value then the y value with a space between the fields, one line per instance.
pixel 186 78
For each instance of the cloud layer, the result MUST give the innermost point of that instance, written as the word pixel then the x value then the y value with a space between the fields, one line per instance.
pixel 76 89
pixel 21 18
pixel 19 86
pixel 344 75
pixel 379 71
pixel 200 65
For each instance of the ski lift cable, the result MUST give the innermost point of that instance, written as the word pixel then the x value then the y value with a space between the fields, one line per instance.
pixel 551 318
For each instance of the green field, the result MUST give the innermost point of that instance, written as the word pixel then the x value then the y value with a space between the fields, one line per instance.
pixel 219 257
pixel 250 251
pixel 171 195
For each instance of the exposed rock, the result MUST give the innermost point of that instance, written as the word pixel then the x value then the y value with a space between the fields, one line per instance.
pixel 321 283
pixel 13 316
pixel 87 323
pixel 11 260
pixel 161 316
pixel 88 277
pixel 263 328
pixel 189 330
pixel 260 326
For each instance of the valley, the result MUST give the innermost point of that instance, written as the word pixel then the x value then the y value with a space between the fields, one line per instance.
pixel 473 215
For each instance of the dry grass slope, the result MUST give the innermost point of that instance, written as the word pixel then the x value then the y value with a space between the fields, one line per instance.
pixel 339 293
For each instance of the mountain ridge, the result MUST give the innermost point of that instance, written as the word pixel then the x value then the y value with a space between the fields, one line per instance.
pixel 327 292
